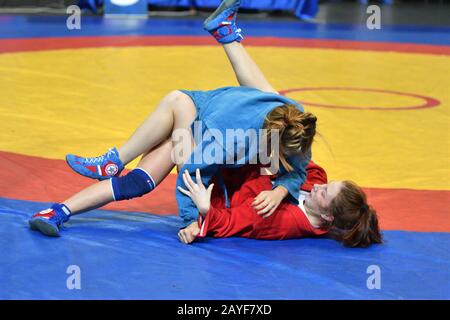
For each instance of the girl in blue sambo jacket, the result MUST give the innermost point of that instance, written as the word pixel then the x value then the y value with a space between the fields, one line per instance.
pixel 202 131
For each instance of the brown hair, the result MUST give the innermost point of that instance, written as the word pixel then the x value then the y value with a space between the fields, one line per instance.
pixel 296 129
pixel 356 221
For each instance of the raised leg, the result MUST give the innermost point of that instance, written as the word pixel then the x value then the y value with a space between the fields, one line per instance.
pixel 221 24
pixel 246 70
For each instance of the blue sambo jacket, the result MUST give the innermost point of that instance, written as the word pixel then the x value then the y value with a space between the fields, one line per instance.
pixel 223 115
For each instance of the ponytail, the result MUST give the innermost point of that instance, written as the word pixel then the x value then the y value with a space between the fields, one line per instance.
pixel 296 130
pixel 364 232
pixel 356 222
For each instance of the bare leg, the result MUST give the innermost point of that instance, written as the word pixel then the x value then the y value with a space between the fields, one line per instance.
pixel 158 126
pixel 156 162
pixel 183 120
pixel 247 72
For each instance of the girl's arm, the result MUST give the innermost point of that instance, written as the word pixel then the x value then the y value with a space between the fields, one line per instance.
pixel 292 181
pixel 246 70
pixel 222 222
pixel 200 195
pixel 208 165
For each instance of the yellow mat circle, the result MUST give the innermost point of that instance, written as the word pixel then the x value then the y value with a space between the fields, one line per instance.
pixel 87 100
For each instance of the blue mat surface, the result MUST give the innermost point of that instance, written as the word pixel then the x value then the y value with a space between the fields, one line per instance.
pixel 138 256
pixel 55 26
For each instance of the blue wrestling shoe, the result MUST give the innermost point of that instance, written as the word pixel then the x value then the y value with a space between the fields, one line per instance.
pixel 50 220
pixel 101 168
pixel 222 22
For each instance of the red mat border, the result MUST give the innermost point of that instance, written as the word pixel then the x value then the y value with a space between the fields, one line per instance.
pixel 38 179
pixel 58 43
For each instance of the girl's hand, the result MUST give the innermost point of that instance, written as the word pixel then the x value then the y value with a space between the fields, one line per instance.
pixel 268 201
pixel 197 192
pixel 188 234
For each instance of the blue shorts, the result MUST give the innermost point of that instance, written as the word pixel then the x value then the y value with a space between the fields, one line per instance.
pixel 201 98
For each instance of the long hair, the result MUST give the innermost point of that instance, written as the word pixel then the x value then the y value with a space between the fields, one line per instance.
pixel 296 129
pixel 355 222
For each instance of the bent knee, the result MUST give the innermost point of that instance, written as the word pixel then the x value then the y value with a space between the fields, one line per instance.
pixel 183 104
pixel 177 101
pixel 134 184
pixel 175 97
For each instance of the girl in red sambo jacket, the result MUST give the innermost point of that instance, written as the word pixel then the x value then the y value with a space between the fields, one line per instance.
pixel 242 218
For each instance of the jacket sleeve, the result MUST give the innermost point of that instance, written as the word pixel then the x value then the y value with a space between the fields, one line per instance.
pixel 315 174
pixel 294 179
pixel 207 157
pixel 228 222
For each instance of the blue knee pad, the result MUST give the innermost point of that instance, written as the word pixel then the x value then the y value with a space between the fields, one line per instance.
pixel 134 184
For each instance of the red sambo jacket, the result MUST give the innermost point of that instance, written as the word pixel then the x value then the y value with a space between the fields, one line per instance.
pixel 241 220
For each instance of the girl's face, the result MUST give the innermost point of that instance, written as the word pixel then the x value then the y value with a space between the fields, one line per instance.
pixel 321 195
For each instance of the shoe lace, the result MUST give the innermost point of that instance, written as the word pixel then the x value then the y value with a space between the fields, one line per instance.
pixel 95 159
pixel 99 158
